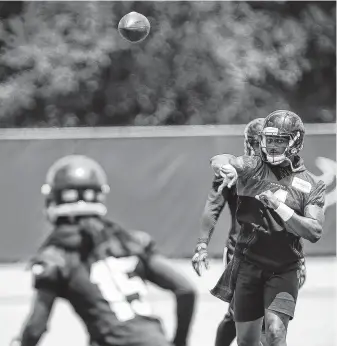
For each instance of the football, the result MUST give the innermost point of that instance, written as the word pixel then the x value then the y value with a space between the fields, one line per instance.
pixel 134 27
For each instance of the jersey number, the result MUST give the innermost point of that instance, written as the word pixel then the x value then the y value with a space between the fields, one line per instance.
pixel 125 295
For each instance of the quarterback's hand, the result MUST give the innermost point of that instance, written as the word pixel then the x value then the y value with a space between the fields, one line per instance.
pixel 200 258
pixel 229 175
pixel 268 199
pixel 216 165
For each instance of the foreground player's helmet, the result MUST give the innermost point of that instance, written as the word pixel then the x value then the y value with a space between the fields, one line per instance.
pixel 286 124
pixel 252 138
pixel 75 186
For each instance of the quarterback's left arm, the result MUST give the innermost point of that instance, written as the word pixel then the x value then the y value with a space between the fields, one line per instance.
pixel 310 225
pixel 161 272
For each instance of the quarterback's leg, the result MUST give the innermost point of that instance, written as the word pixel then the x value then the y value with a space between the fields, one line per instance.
pixel 248 304
pixel 276 328
pixel 263 334
pixel 280 301
pixel 249 333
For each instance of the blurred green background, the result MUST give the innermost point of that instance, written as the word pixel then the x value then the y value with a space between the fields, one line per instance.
pixel 64 64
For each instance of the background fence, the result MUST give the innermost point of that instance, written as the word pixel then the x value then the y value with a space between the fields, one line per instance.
pixel 159 178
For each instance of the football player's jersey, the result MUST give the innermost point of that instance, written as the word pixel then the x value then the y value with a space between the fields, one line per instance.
pixel 105 286
pixel 213 208
pixel 232 200
pixel 263 237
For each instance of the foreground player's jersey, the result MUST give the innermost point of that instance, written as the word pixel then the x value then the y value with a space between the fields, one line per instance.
pixel 105 286
pixel 263 237
pixel 213 208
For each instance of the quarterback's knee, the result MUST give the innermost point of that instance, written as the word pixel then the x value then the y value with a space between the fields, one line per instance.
pixel 276 333
pixel 250 338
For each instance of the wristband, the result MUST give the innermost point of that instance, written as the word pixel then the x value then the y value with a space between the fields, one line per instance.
pixel 202 241
pixel 201 246
pixel 284 212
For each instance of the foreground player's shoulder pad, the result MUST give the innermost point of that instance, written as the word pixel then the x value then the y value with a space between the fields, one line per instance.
pixel 47 264
pixel 143 238
pixel 146 243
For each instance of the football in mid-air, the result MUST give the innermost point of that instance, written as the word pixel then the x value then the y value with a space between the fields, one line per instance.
pixel 134 27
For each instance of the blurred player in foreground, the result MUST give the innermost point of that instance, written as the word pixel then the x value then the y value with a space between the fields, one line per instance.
pixel 215 203
pixel 280 203
pixel 100 267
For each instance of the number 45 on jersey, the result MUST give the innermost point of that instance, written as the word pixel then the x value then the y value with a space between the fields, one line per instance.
pixel 126 295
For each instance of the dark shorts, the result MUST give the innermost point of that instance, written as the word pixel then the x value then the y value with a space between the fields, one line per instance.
pixel 257 290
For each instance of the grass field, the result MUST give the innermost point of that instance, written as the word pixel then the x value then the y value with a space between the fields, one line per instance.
pixel 315 321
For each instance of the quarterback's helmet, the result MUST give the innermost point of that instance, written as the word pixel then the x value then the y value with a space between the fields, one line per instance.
pixel 252 138
pixel 286 124
pixel 75 185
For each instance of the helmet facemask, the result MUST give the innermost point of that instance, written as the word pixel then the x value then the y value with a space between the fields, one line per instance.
pixel 75 186
pixel 273 154
pixel 74 202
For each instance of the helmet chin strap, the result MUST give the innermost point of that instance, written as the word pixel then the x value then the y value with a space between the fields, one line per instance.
pixel 291 165
pixel 79 208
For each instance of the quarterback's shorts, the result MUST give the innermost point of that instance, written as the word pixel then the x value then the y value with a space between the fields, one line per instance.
pixel 257 290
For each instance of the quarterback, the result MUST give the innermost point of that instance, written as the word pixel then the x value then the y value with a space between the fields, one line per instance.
pixel 279 203
pixel 99 267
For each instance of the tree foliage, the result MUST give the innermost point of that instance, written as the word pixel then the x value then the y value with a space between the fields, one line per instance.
pixel 64 63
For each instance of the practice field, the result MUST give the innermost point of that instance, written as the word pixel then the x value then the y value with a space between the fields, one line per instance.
pixel 315 321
